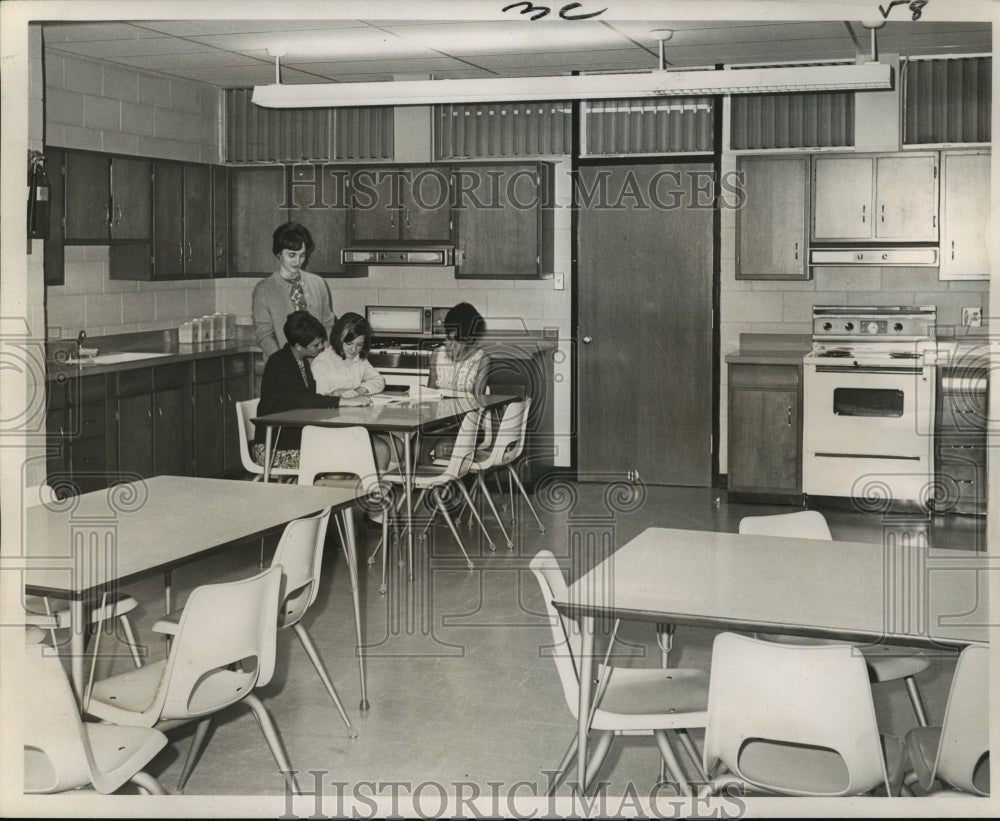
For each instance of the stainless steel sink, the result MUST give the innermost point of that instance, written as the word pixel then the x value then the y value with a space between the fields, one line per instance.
pixel 115 358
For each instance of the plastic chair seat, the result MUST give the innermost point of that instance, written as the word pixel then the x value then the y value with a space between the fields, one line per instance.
pixel 34 607
pixel 654 698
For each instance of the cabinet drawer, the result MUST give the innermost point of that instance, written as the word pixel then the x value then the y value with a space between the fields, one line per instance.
pixel 166 377
pixel 236 366
pixel 90 421
pixel 206 370
pixel 133 383
pixel 963 411
pixel 758 376
pixel 89 456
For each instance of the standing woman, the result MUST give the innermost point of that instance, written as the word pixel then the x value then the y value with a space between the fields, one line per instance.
pixel 289 288
pixel 460 364
pixel 288 384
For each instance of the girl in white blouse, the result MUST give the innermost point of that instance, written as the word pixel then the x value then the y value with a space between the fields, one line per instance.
pixel 343 369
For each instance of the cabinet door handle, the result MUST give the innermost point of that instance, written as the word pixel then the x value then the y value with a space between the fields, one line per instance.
pixel 107 215
pixel 788 415
pixel 118 211
pixel 160 412
pixel 864 211
pixel 180 252
pixel 883 212
pixel 149 418
pixel 218 250
pixel 796 250
pixel 189 252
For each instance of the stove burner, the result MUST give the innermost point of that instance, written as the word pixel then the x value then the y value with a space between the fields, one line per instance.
pixel 839 353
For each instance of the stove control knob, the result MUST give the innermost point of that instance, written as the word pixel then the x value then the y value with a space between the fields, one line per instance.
pixel 872 327
pixel 898 326
pixel 827 326
pixel 848 326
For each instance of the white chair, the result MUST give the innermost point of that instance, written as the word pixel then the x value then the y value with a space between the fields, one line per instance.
pixel 62 753
pixel 54 614
pixel 245 411
pixel 224 647
pixel 433 479
pixel 958 752
pixel 885 662
pixel 628 701
pixel 300 555
pixel 505 449
pixel 796 720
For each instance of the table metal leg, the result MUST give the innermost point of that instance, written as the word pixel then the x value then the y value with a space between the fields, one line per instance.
pixel 587 627
pixel 351 553
pixel 408 447
pixel 77 646
pixel 267 453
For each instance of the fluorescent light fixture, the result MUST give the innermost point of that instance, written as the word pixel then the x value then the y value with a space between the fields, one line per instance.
pixel 658 83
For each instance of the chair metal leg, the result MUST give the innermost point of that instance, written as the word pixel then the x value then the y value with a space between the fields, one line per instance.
pixel 200 734
pixel 133 645
pixel 560 772
pixel 916 700
pixel 692 750
pixel 482 526
pixel 597 759
pixel 481 484
pixel 317 662
pixel 273 740
pixel 451 525
pixel 673 765
pixel 147 783
pixel 524 493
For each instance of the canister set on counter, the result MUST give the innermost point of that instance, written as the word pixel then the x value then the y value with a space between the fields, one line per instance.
pixel 208 328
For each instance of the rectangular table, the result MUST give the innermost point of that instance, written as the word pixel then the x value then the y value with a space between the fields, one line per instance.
pixel 407 417
pixel 896 592
pixel 78 547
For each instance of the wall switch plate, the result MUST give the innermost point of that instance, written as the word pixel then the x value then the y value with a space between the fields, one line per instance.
pixel 972 317
pixel 558 282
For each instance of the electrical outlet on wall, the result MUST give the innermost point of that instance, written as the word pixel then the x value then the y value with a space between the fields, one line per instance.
pixel 972 317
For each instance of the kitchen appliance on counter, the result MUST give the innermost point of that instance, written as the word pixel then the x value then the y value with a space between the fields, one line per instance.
pixel 868 405
pixel 404 337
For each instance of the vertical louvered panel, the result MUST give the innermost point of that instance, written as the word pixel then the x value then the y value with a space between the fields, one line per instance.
pixel 255 134
pixel 947 100
pixel 501 130
pixel 820 120
pixel 635 127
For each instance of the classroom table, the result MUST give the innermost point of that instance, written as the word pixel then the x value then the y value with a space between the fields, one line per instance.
pixel 79 547
pixel 896 592
pixel 405 416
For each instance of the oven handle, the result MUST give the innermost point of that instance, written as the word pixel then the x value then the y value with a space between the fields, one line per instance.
pixel 868 456
pixel 868 369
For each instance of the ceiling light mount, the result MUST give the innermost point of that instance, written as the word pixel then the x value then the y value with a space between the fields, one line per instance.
pixel 661 36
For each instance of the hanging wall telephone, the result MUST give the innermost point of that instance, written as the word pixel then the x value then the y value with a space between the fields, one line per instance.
pixel 38 196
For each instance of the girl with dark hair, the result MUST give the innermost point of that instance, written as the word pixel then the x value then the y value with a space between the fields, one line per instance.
pixel 288 384
pixel 343 369
pixel 460 364
pixel 289 288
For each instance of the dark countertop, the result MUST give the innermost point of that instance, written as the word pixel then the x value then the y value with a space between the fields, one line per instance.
pixel 516 345
pixel 771 349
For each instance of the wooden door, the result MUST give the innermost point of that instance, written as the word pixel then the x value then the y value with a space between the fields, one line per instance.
pixel 135 436
pixel 843 190
pixel 258 194
pixel 168 234
pixel 220 220
pixel 906 198
pixel 764 452
pixel 376 205
pixel 197 220
pixel 427 216
pixel 644 338
pixel 771 225
pixel 131 198
pixel 87 196
pixel 172 432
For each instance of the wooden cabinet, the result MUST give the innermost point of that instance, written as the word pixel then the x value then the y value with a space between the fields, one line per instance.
pixel 408 204
pixel 220 221
pixel 152 413
pixel 765 429
pixel 76 423
pixel 182 220
pixel 887 197
pixel 257 195
pixel 503 218
pixel 965 215
pixel 960 458
pixel 319 202
pixel 771 221
pixel 218 384
pixel 107 197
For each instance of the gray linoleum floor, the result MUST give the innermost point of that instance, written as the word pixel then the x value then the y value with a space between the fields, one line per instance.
pixel 461 689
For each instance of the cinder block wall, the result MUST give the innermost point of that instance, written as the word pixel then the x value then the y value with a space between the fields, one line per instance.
pixel 92 105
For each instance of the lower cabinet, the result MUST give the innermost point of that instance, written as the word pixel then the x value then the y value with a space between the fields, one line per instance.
pixel 152 412
pixel 218 384
pixel 76 422
pixel 960 452
pixel 765 429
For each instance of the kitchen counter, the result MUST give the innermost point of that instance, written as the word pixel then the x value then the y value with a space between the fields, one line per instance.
pixel 771 349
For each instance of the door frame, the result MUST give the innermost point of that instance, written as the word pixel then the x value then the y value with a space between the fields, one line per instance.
pixel 576 162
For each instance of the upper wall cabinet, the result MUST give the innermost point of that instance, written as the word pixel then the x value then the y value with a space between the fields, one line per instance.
pixel 503 215
pixel 889 197
pixel 182 220
pixel 107 197
pixel 771 221
pixel 965 215
pixel 256 196
pixel 318 198
pixel 394 203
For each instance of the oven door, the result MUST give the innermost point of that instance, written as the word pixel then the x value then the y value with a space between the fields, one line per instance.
pixel 868 431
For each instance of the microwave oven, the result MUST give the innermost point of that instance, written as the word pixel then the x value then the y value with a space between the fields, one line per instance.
pixel 408 320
